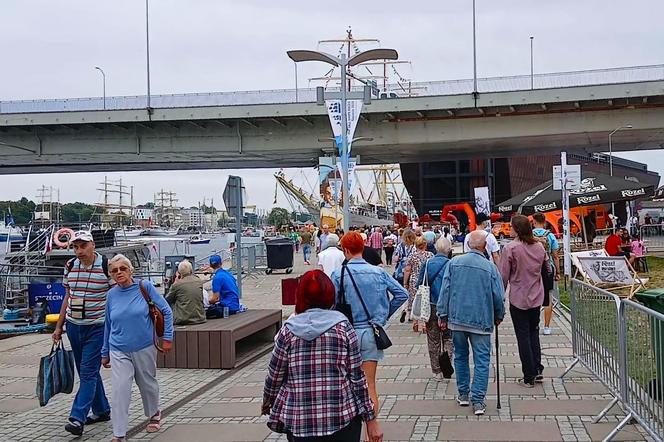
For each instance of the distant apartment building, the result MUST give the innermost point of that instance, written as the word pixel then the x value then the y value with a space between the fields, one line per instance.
pixel 192 217
pixel 142 216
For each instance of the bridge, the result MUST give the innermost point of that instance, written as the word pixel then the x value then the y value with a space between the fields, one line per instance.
pixel 283 128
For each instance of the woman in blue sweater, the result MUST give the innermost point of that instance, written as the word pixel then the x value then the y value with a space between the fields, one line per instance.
pixel 129 348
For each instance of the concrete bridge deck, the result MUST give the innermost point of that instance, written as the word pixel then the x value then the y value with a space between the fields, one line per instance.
pixel 573 111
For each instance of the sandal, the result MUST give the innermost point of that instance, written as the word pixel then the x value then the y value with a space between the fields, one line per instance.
pixel 415 327
pixel 155 423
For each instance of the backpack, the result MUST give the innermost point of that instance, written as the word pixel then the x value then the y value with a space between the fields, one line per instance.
pixel 104 265
pixel 545 241
pixel 547 268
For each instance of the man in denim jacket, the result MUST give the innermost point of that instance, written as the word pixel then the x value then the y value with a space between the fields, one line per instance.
pixel 471 301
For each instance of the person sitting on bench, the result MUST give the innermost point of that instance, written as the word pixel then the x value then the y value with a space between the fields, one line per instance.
pixel 185 296
pixel 224 291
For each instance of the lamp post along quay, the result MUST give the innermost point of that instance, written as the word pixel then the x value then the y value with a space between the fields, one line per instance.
pixel 613 206
pixel 103 80
pixel 344 95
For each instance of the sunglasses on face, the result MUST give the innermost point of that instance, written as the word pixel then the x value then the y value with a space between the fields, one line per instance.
pixel 119 269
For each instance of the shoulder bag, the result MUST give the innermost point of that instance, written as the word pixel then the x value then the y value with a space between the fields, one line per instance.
pixel 156 316
pixel 382 340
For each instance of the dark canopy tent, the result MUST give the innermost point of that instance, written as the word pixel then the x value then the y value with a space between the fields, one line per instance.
pixel 596 188
pixel 659 194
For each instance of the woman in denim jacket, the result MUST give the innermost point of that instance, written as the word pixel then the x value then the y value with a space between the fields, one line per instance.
pixel 373 284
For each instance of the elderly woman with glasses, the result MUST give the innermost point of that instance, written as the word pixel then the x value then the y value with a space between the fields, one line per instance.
pixel 129 345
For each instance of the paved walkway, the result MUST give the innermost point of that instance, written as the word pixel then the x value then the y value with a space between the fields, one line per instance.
pixel 413 405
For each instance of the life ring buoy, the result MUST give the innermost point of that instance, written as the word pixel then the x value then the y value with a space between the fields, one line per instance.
pixel 61 232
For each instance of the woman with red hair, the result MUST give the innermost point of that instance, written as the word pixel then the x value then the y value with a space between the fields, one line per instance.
pixel 372 284
pixel 317 348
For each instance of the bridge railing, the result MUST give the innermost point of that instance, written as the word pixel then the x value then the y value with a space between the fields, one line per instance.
pixel 285 96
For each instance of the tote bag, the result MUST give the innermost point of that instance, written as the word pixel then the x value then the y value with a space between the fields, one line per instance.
pixel 422 302
pixel 56 373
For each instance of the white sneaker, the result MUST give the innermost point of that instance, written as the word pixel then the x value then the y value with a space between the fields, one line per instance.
pixel 438 377
pixel 547 330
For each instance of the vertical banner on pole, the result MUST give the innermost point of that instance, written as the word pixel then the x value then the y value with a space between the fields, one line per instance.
pixel 353 110
pixel 565 196
pixel 482 201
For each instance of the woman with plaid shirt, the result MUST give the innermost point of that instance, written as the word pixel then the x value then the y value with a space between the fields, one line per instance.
pixel 315 389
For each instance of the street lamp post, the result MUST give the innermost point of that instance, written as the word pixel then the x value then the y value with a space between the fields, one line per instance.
pixel 103 79
pixel 147 50
pixel 474 56
pixel 532 66
pixel 344 63
pixel 613 207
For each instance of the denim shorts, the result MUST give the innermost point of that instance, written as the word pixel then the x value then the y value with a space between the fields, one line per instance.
pixel 368 348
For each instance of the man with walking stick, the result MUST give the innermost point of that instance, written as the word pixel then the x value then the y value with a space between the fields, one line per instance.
pixel 471 302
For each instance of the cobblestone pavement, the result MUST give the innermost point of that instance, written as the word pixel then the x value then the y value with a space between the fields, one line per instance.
pixel 413 406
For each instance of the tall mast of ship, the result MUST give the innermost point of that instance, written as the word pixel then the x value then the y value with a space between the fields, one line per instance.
pixel 164 208
pixel 349 45
pixel 113 214
pixel 46 205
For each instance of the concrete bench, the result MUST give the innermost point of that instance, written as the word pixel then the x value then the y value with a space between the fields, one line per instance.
pixel 222 342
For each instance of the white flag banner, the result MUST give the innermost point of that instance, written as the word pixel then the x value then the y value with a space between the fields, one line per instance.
pixel 352 162
pixel 482 201
pixel 353 110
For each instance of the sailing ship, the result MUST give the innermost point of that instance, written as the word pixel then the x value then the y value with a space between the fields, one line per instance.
pixel 387 197
pixel 167 215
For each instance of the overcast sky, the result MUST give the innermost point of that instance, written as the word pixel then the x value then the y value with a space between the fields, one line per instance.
pixel 51 47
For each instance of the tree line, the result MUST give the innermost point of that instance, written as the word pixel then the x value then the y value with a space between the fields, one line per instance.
pixel 24 209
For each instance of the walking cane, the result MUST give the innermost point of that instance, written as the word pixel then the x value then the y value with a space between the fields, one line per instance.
pixel 497 371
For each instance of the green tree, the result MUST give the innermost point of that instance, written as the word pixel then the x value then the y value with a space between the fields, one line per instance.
pixel 22 210
pixel 77 212
pixel 279 217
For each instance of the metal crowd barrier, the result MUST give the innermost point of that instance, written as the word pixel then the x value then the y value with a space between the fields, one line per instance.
pixel 622 344
pixel 254 258
pixel 644 365
pixel 652 236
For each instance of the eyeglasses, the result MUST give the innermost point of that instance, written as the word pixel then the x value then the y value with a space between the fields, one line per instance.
pixel 119 269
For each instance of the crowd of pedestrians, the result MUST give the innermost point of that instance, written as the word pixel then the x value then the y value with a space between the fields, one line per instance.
pixel 467 296
pixel 342 307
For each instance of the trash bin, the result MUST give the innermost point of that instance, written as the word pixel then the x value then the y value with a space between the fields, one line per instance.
pixel 654 299
pixel 279 255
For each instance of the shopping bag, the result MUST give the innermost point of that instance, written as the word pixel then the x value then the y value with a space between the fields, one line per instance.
pixel 421 304
pixel 416 309
pixel 425 308
pixel 445 363
pixel 56 373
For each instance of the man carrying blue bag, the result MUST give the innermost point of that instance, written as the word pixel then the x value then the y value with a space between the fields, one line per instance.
pixel 84 310
pixel 56 373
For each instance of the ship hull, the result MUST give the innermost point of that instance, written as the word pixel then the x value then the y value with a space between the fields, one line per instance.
pixel 356 219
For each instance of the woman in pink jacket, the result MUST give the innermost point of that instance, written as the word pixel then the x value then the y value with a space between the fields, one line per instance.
pixel 522 263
